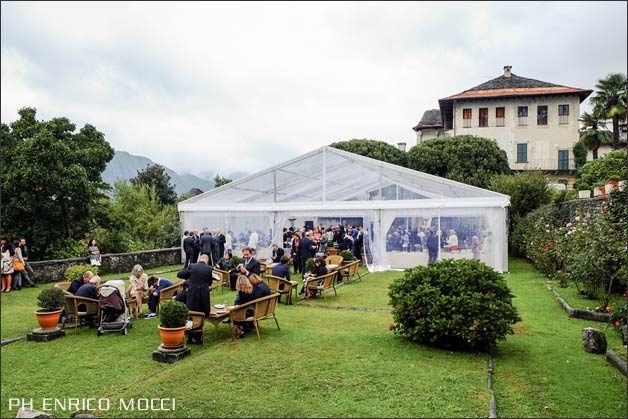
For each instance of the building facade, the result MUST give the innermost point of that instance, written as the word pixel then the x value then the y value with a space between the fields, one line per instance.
pixel 534 122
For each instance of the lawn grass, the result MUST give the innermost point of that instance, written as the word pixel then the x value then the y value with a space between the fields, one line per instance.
pixel 18 307
pixel 324 363
pixel 542 370
pixel 576 300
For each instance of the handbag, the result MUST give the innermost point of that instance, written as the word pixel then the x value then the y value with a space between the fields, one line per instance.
pixel 18 265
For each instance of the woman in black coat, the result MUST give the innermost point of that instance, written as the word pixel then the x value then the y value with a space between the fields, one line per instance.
pixel 199 277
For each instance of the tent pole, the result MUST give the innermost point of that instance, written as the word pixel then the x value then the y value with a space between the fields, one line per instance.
pixel 324 178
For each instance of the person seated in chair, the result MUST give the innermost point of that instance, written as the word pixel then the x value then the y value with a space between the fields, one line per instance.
pixel 181 296
pixel 319 269
pixel 226 264
pixel 277 254
pixel 79 281
pixel 282 270
pixel 90 289
pixel 249 289
pixel 156 285
pixel 249 264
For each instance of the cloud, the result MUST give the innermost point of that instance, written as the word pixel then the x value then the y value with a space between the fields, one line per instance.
pixel 242 86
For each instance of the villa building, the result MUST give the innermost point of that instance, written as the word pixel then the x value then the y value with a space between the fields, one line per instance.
pixel 534 122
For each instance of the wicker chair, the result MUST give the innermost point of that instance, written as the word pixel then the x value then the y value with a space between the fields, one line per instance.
pixel 254 311
pixel 334 260
pixel 64 286
pixel 198 324
pixel 262 268
pixel 282 286
pixel 327 283
pixel 350 270
pixel 132 303
pixel 79 307
pixel 332 251
pixel 167 294
pixel 222 282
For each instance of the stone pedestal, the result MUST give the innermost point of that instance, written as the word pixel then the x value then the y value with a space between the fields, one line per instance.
pixel 39 335
pixel 594 341
pixel 170 355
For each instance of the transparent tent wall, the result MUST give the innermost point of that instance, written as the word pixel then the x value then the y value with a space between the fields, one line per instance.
pixel 240 226
pixel 466 233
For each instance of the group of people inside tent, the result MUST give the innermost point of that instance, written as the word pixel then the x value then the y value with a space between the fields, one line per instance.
pixel 424 238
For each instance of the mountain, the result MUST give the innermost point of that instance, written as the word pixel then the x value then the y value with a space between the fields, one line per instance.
pixel 125 166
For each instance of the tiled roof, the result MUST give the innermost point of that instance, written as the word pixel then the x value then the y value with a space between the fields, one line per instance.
pixel 430 119
pixel 514 85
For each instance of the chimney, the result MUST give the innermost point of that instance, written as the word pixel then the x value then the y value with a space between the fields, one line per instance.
pixel 507 69
pixel 401 146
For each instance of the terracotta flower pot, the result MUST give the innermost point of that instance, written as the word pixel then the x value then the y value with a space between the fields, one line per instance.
pixel 172 337
pixel 48 320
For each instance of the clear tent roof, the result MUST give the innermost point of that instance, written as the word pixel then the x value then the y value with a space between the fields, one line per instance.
pixel 330 175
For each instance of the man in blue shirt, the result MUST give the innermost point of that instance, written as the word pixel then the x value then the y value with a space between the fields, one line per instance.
pixel 157 284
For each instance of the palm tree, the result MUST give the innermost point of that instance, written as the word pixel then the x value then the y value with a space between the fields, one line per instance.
pixel 611 101
pixel 593 132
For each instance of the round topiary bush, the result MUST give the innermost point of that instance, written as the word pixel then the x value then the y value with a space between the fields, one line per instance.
pixel 173 314
pixel 453 303
pixel 51 299
pixel 309 264
pixel 347 255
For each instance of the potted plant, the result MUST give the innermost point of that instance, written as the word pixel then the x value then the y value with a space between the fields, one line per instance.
pixel 309 264
pixel 51 302
pixel 347 256
pixel 583 188
pixel 613 184
pixel 173 315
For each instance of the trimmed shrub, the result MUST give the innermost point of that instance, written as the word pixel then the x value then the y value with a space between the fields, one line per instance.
pixel 453 303
pixel 347 255
pixel 309 264
pixel 78 270
pixel 173 314
pixel 51 299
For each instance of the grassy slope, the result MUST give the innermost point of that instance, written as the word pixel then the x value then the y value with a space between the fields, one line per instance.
pixel 542 370
pixel 327 363
pixel 322 363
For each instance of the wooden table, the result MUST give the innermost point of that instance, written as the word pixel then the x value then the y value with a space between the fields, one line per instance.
pixel 216 317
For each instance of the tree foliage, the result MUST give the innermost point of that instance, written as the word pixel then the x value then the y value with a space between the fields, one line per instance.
pixel 220 181
pixel 51 179
pixel 611 101
pixel 599 171
pixel 374 149
pixel 156 176
pixel 138 220
pixel 465 158
pixel 527 191
pixel 593 133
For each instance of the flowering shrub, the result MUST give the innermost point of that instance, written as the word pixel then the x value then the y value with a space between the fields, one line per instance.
pixel 588 249
pixel 458 303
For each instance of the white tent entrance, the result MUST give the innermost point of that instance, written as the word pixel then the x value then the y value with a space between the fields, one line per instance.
pixel 394 205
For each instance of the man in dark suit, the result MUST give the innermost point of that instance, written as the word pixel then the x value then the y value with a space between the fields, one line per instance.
pixel 207 246
pixel 220 238
pixel 199 279
pixel 277 253
pixel 79 281
pixel 197 246
pixel 307 250
pixel 188 248
pixel 249 264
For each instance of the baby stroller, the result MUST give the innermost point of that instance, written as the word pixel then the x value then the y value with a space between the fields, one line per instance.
pixel 114 312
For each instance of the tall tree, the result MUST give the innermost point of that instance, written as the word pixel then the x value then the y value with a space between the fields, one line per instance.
pixel 374 149
pixel 611 101
pixel 464 158
pixel 156 176
pixel 220 181
pixel 593 133
pixel 53 180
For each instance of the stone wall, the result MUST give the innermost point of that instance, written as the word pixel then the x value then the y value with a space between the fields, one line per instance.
pixel 52 270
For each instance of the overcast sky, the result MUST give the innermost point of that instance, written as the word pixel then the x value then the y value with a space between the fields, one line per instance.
pixel 243 86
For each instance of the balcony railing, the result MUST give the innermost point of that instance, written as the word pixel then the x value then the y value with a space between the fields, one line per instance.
pixel 546 164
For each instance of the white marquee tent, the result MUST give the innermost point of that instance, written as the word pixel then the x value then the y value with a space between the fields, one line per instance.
pixel 331 186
